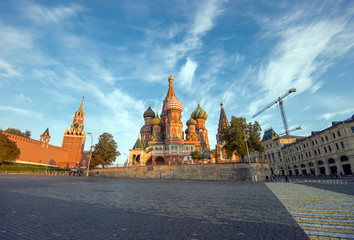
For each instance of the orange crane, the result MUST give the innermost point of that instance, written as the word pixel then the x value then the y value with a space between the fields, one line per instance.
pixel 280 101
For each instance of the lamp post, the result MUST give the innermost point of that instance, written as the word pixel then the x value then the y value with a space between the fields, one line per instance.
pixel 249 159
pixel 126 162
pixel 88 165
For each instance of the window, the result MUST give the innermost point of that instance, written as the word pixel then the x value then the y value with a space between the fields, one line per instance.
pixel 338 133
pixel 352 129
pixel 316 141
pixel 310 154
pixel 326 138
pixel 341 143
pixel 307 144
pixel 319 152
pixel 315 152
pixel 307 155
pixel 325 149
pixel 313 144
pixel 329 148
pixel 322 139
pixel 334 135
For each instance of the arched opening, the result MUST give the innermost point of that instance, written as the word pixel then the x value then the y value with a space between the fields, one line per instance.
pixel 320 162
pixel 331 160
pixel 159 161
pixel 137 160
pixel 347 168
pixel 149 161
pixel 302 165
pixel 310 164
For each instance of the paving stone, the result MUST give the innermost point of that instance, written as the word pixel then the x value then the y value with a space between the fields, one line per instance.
pixel 63 207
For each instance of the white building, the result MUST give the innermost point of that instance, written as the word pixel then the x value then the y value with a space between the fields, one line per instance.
pixel 327 152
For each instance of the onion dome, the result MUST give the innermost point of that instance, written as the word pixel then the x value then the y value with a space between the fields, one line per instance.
pixel 156 121
pixel 171 102
pixel 149 113
pixel 191 121
pixel 199 113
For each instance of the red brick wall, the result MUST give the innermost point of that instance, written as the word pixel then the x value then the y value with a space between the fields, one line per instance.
pixel 34 151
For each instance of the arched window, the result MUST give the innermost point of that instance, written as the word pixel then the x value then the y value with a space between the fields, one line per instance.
pixel 331 160
pixel 320 162
pixel 311 164
pixel 302 165
pixel 344 158
pixel 295 166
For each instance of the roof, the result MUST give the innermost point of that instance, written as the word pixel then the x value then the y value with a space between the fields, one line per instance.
pixel 223 121
pixel 81 108
pixel 139 144
pixel 46 132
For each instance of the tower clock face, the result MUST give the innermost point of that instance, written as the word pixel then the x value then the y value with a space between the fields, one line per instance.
pixel 76 125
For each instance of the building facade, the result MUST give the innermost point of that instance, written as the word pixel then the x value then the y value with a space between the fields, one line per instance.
pixel 42 153
pixel 329 152
pixel 162 139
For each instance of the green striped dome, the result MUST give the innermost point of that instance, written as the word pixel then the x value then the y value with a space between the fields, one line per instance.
pixel 199 113
pixel 191 121
pixel 149 113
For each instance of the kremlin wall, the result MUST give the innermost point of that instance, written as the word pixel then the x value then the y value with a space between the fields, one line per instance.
pixel 41 152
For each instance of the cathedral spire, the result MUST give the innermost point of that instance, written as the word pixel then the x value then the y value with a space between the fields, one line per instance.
pixel 171 91
pixel 223 122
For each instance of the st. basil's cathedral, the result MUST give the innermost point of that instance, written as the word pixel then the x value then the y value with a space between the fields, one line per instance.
pixel 162 139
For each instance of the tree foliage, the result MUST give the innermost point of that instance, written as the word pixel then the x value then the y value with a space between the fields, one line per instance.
pixel 17 132
pixel 8 149
pixel 196 156
pixel 235 135
pixel 105 151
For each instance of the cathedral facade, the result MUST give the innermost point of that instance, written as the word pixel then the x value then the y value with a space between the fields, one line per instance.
pixel 162 139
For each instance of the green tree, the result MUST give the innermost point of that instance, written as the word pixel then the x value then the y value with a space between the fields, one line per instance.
pixel 196 156
pixel 235 135
pixel 105 151
pixel 8 149
pixel 17 132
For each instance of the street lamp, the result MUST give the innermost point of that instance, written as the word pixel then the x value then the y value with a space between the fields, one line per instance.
pixel 248 154
pixel 88 165
pixel 126 162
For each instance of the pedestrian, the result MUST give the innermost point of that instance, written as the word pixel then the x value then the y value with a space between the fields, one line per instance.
pixel 286 178
pixel 267 178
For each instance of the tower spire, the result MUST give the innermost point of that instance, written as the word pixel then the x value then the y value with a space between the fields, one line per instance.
pixel 171 91
pixel 81 108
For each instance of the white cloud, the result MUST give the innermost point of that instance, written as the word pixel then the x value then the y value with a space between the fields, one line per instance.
pixel 186 73
pixel 331 115
pixel 47 15
pixel 22 112
pixel 7 70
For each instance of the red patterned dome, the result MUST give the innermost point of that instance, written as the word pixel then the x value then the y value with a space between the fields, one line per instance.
pixel 173 104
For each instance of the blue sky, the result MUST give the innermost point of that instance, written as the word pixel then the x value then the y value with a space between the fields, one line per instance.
pixel 119 54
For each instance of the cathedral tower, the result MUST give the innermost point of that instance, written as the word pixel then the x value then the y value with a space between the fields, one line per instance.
pixel 74 139
pixel 146 130
pixel 172 117
pixel 223 123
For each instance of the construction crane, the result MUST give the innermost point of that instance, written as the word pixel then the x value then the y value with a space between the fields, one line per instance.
pixel 280 101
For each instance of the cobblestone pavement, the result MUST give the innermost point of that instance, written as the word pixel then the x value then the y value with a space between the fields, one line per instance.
pixel 322 214
pixel 63 207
